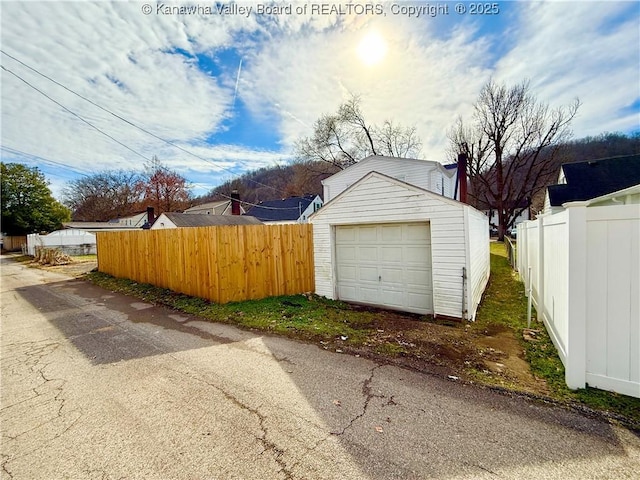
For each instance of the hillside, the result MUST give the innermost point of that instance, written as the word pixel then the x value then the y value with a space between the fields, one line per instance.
pixel 304 178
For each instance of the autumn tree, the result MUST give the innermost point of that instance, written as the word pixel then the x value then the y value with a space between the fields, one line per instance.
pixel 105 195
pixel 28 205
pixel 511 143
pixel 165 190
pixel 344 138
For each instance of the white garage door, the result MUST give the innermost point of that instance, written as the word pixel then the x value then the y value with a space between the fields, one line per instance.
pixel 386 265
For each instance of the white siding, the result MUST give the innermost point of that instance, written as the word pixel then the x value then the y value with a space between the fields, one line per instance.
pixel 162 222
pixel 479 258
pixel 425 174
pixel 586 288
pixel 377 199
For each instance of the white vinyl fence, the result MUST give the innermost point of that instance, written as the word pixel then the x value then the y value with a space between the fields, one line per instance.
pixel 585 279
pixel 71 242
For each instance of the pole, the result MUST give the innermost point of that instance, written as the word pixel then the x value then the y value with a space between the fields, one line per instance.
pixel 530 299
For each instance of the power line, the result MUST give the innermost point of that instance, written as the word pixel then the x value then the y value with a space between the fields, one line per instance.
pixel 72 113
pixel 14 151
pixel 259 205
pixel 168 142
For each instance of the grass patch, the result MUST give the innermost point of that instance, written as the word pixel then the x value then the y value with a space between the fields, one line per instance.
pixel 505 304
pixel 504 301
pixel 300 316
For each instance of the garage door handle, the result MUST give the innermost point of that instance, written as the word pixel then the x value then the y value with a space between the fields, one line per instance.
pixel 379 278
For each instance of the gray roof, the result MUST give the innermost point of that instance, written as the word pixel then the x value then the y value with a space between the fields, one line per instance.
pixel 202 220
pixel 98 226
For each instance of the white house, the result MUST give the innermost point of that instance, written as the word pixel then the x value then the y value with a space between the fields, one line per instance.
pixel 523 216
pixel 426 174
pixel 180 220
pixel 223 207
pixel 385 242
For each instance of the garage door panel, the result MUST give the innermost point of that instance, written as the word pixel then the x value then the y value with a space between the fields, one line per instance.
pixel 368 254
pixel 392 265
pixel 367 235
pixel 416 300
pixel 348 272
pixel 368 274
pixel 346 253
pixel 347 292
pixel 391 233
pixel 391 275
pixel 346 234
pixel 418 255
pixel 391 254
pixel 418 277
pixel 369 294
pixel 392 298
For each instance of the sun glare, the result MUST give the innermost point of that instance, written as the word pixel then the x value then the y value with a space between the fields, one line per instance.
pixel 372 49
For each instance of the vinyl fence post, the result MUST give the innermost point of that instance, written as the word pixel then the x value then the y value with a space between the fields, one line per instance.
pixel 529 300
pixel 576 365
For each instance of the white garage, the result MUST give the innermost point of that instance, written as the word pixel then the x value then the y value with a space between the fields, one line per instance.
pixel 386 243
pixel 385 263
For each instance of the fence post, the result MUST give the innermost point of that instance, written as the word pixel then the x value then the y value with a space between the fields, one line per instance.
pixel 540 266
pixel 576 364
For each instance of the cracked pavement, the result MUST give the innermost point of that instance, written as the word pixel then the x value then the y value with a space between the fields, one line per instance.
pixel 96 385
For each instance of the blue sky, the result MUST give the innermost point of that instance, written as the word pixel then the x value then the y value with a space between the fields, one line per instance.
pixel 236 91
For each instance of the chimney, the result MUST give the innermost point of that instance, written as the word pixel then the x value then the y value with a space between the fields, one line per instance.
pixel 150 216
pixel 235 203
pixel 462 176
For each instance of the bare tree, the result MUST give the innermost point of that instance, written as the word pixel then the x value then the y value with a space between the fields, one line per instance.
pixel 344 138
pixel 104 196
pixel 511 146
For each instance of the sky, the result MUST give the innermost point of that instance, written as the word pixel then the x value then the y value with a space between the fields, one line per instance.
pixel 218 89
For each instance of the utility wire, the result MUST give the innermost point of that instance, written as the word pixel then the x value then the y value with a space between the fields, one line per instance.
pixel 14 151
pixel 72 113
pixel 168 142
pixel 260 206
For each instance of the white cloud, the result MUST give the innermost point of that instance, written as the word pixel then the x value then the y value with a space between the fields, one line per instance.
pixel 295 68
pixel 580 49
pixel 422 81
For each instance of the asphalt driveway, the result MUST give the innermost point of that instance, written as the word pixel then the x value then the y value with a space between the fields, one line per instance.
pixel 99 385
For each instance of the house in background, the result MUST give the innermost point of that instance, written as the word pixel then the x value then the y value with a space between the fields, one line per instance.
pixel 135 221
pixel 223 207
pixel 381 240
pixel 425 174
pixel 180 220
pixel 588 180
pixel 492 212
pixel 287 210
pixel 132 222
pixel 98 226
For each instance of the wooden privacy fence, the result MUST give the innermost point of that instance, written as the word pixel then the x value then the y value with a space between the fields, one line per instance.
pixel 13 244
pixel 222 264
